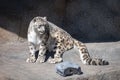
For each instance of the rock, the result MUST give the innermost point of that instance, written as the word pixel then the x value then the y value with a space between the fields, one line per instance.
pixel 14 54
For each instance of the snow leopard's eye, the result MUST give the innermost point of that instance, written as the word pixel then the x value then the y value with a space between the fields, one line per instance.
pixel 39 27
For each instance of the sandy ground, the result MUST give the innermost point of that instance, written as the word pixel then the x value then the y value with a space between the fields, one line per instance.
pixel 14 67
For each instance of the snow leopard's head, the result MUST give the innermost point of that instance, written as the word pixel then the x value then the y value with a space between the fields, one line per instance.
pixel 40 24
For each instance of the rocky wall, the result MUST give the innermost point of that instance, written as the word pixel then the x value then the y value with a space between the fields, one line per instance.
pixel 86 20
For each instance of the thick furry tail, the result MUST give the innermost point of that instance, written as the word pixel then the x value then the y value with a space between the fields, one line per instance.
pixel 85 57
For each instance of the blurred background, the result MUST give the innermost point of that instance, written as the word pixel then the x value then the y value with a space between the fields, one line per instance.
pixel 85 20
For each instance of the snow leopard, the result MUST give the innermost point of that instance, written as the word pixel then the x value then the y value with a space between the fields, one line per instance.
pixel 45 35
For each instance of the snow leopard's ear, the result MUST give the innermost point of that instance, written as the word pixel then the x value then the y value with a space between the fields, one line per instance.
pixel 34 20
pixel 45 18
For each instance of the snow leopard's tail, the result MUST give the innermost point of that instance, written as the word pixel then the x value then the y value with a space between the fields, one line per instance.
pixel 85 57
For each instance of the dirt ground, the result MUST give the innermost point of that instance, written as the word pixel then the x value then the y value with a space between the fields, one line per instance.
pixel 14 67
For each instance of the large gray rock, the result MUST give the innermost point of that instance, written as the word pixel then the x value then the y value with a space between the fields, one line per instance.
pixel 13 66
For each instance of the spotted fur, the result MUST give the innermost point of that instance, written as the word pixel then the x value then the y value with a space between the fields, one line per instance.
pixel 48 36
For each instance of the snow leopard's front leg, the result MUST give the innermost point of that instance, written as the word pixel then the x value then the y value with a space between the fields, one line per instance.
pixel 59 50
pixel 32 48
pixel 41 54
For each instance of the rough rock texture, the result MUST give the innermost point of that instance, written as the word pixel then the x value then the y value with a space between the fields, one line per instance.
pixel 86 20
pixel 14 67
